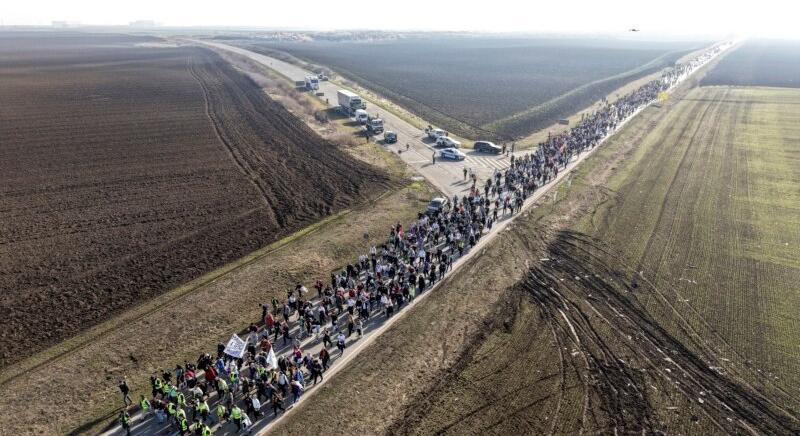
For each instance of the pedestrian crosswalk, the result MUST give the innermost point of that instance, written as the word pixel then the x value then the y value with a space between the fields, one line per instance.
pixel 489 162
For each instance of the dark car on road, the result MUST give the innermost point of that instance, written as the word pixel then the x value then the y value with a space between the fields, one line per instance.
pixel 389 137
pixel 437 205
pixel 487 147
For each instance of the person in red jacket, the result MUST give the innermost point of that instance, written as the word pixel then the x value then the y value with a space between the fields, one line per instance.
pixel 211 375
pixel 269 321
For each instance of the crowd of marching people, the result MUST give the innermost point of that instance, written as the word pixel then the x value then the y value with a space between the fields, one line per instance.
pixel 198 397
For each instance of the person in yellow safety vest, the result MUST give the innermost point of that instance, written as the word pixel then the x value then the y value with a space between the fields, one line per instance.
pixel 220 412
pixel 125 421
pixel 158 386
pixel 206 431
pixel 184 425
pixel 171 412
pixel 180 413
pixel 236 416
pixel 222 385
pixel 234 377
pixel 144 404
pixel 203 410
pixel 181 399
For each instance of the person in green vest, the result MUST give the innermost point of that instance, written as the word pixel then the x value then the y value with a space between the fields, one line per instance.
pixel 171 412
pixel 180 413
pixel 236 417
pixel 184 426
pixel 206 430
pixel 221 413
pixel 144 404
pixel 181 399
pixel 158 386
pixel 202 409
pixel 222 387
pixel 125 421
pixel 234 378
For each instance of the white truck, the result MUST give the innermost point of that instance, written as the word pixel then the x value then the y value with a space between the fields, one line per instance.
pixel 312 83
pixel 349 102
pixel 361 116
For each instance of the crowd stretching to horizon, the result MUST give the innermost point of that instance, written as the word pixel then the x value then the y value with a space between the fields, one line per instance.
pixel 376 286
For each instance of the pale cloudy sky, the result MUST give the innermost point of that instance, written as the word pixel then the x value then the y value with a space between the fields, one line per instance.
pixel 771 18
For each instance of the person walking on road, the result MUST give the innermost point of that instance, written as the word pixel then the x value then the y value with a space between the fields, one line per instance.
pixel 316 371
pixel 324 358
pixel 433 158
pixel 236 417
pixel 297 391
pixel 326 339
pixel 125 421
pixel 144 404
pixel 123 387
pixel 340 342
pixel 277 403
pixel 222 414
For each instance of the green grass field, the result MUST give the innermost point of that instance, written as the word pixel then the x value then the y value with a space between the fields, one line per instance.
pixel 669 305
pixel 708 208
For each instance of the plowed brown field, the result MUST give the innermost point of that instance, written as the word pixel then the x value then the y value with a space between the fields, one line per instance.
pixel 126 170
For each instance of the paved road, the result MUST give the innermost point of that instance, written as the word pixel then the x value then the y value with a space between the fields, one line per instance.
pixel 447 176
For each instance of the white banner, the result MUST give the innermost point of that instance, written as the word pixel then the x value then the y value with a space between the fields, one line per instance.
pixel 236 347
pixel 271 359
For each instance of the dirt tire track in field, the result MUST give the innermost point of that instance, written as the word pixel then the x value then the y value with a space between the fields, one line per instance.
pixel 579 281
pixel 702 342
pixel 698 124
pixel 242 164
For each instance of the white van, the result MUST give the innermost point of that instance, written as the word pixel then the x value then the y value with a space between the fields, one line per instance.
pixel 361 116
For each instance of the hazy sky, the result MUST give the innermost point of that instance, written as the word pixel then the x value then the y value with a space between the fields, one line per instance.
pixel 773 18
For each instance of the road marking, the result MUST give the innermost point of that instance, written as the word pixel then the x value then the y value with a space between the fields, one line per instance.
pixel 488 162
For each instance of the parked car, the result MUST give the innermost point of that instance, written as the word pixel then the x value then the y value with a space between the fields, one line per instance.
pixel 389 137
pixel 446 141
pixel 435 133
pixel 487 147
pixel 437 205
pixel 452 153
